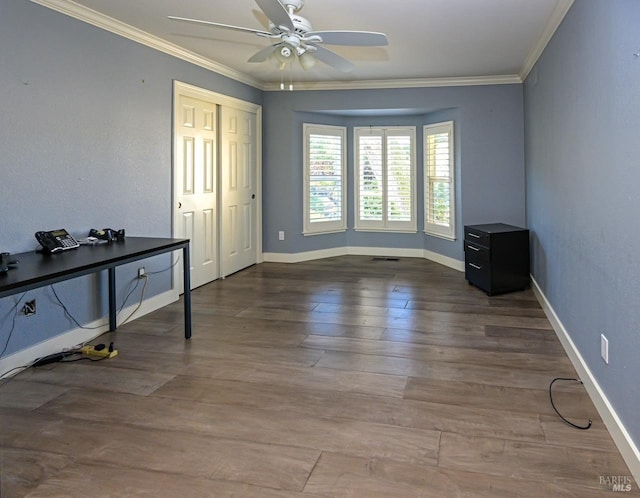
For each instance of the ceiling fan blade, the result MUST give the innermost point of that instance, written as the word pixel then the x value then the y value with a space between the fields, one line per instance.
pixel 219 25
pixel 263 55
pixel 332 59
pixel 353 38
pixel 277 14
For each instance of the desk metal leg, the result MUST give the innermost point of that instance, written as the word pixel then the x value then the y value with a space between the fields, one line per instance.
pixel 112 299
pixel 186 279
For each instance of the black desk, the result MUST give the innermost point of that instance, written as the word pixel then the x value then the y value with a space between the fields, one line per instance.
pixel 37 270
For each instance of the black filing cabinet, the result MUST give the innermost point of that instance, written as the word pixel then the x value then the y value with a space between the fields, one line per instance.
pixel 496 257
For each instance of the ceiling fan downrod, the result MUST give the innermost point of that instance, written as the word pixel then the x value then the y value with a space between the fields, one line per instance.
pixel 292 6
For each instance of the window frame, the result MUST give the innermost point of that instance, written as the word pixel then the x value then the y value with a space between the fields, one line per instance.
pixel 385 225
pixel 332 226
pixel 438 230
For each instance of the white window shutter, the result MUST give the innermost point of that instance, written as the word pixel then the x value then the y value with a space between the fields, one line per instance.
pixel 324 179
pixel 439 188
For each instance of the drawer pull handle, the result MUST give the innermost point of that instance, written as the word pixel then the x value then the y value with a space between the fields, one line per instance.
pixel 475 266
pixel 473 248
pixel 473 235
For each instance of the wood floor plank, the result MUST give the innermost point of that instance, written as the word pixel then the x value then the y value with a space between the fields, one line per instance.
pixel 476 340
pixel 432 352
pixel 354 406
pixel 101 481
pixel 258 425
pixel 558 432
pixel 539 335
pixel 499 397
pixel 476 309
pixel 99 378
pixel 493 375
pixel 207 364
pixel 346 476
pixel 481 315
pixel 308 378
pixel 224 338
pixel 28 395
pixel 197 455
pixel 557 464
pixel 23 470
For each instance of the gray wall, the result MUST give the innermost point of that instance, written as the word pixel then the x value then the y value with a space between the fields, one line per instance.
pixel 85 141
pixel 582 116
pixel 489 164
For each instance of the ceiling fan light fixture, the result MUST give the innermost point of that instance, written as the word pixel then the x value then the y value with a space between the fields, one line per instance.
pixel 285 54
pixel 307 61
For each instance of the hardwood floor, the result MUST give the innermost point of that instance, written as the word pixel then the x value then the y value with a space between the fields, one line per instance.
pixel 347 376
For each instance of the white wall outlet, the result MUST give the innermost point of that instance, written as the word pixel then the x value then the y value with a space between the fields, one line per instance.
pixel 142 273
pixel 604 348
pixel 281 235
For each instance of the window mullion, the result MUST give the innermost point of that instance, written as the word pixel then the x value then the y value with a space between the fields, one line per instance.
pixel 385 180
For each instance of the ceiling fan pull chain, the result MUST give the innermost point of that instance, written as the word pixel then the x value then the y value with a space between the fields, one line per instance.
pixel 290 77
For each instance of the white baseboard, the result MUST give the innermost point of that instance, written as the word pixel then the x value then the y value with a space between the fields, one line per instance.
pixel 299 257
pixel 66 341
pixel 443 260
pixel 619 434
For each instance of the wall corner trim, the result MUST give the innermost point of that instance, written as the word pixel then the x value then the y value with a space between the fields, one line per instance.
pixel 621 437
pixel 560 11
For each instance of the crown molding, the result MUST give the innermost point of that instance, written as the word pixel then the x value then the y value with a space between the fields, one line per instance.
pixel 507 79
pixel 560 11
pixel 90 16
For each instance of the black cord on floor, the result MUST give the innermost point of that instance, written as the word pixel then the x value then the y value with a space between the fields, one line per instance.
pixel 581 427
pixel 85 358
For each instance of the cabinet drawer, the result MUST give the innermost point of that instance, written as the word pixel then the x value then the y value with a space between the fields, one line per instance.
pixel 477 237
pixel 475 252
pixel 478 273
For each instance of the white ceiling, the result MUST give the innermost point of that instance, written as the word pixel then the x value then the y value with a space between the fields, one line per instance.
pixel 431 42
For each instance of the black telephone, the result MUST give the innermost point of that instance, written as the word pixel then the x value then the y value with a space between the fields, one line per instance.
pixel 56 240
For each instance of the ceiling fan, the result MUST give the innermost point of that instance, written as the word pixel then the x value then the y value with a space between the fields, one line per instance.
pixel 296 39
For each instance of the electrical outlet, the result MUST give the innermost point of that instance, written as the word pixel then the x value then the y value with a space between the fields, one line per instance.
pixel 29 308
pixel 604 348
pixel 142 273
pixel 281 235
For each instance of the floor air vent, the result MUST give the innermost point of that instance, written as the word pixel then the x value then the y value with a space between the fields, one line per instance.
pixel 378 258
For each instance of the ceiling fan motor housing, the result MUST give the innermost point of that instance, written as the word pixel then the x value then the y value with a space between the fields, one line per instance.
pixel 301 26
